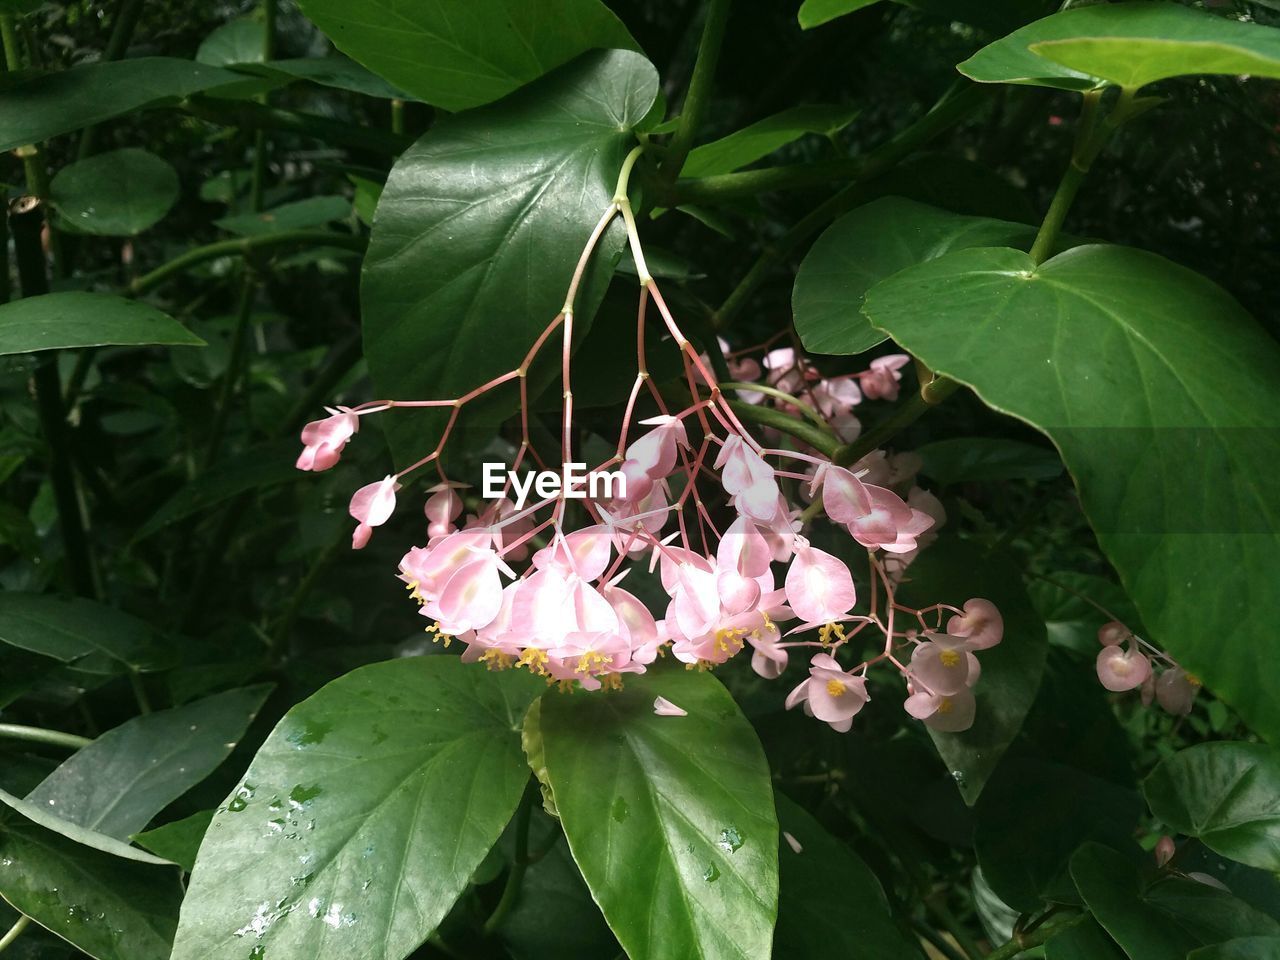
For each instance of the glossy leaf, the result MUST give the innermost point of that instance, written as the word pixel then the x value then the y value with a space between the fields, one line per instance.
pixel 1112 887
pixel 234 42
pixel 808 929
pixel 178 841
pixel 79 319
pixel 50 104
pixel 1242 948
pixel 953 571
pixel 758 140
pixel 86 837
pixel 983 459
pixel 74 630
pixel 115 194
pixel 1154 385
pixel 109 907
pixel 363 815
pixel 125 777
pixel 480 226
pixel 460 55
pixel 1128 44
pixel 1031 818
pixel 866 246
pixel 1208 913
pixel 1225 794
pixel 814 13
pixel 667 817
pixel 298 215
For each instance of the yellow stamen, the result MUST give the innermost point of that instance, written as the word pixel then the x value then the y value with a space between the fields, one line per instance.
pixel 835 688
pixel 944 705
pixel 438 635
pixel 496 659
pixel 592 661
pixel 949 658
pixel 611 681
pixel 534 659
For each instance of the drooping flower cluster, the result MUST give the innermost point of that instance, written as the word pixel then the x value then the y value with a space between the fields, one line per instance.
pixel 699 513
pixel 1127 662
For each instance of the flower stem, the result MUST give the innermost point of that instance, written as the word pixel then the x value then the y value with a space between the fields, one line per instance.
pixel 810 414
pixel 769 417
pixel 14 932
pixel 56 738
pixel 698 97
pixel 1042 934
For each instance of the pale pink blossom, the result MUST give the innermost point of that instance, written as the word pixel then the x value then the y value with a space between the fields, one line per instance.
pixel 981 624
pixel 941 664
pixel 323 440
pixel 1164 851
pixel 881 381
pixel 1176 691
pixel 371 506
pixel 819 586
pixel 830 693
pixel 1120 669
pixel 1113 633
pixel 442 508
pixel 946 713
pixel 748 479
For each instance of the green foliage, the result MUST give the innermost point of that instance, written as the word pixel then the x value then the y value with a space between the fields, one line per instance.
pixel 75 319
pixel 115 194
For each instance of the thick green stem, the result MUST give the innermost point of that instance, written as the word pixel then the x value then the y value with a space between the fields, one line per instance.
pixel 245 247
pixel 770 417
pixel 1042 934
pixel 14 932
pixel 511 892
pixel 810 414
pixel 698 97
pixel 948 111
pixel 55 738
pixel 248 115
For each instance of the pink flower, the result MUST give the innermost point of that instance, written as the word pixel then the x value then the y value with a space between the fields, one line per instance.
pixel 471 598
pixel 830 694
pixel 442 508
pixel 1120 669
pixel 323 440
pixel 1113 633
pixel 748 479
pixel 656 452
pixel 1165 849
pixel 584 552
pixel 1176 690
pixel 835 398
pixel 942 664
pixel 372 505
pixel 665 708
pixel 881 381
pixel 819 586
pixel 950 713
pixel 981 625
pixel 768 656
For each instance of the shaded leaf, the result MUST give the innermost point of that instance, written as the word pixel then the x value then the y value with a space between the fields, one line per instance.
pixel 178 841
pixel 298 215
pixel 72 629
pixel 1243 948
pixel 337 72
pixel 115 194
pixel 763 137
pixel 84 837
pixel 814 13
pixel 983 459
pixel 238 41
pixel 79 319
pixel 1112 889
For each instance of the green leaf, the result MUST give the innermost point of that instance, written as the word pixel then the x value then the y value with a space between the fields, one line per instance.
pixel 1225 794
pixel 1243 948
pixel 298 215
pixel 808 929
pixel 86 837
pixel 667 817
pixel 1084 941
pixel 1031 818
pixel 337 72
pixel 460 55
pixel 763 137
pixel 953 571
pixel 115 194
pixel 73 629
pixel 1208 913
pixel 1112 889
pixel 109 907
pixel 1154 385
pixel 125 777
pixel 480 226
pixel 50 104
pixel 178 841
pixel 864 247
pixel 235 42
pixel 363 815
pixel 76 318
pixel 984 459
pixel 1071 619
pixel 1129 44
pixel 814 13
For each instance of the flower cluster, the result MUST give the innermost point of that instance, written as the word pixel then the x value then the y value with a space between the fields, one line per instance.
pixel 707 518
pixel 1127 662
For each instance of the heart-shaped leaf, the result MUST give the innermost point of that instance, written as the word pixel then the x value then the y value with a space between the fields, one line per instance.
pixel 119 782
pixel 1225 794
pixel 1155 386
pixel 459 55
pixel 480 226
pixel 362 816
pixel 115 194
pixel 79 319
pixel 1128 44
pixel 864 247
pixel 670 819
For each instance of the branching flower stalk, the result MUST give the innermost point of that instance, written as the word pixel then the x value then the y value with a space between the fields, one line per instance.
pixel 702 500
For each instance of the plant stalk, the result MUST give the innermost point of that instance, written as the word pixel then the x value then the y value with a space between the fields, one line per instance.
pixel 698 97
pixel 14 932
pixel 770 417
pixel 1042 934
pixel 55 738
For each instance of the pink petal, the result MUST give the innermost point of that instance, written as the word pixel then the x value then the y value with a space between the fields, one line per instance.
pixel 1120 670
pixel 665 708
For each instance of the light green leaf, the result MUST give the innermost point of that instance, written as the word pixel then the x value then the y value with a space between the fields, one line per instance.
pixel 1154 385
pixel 457 54
pixel 480 226
pixel 235 42
pixel 984 459
pixel 808 929
pixel 814 13
pixel 110 907
pixel 73 629
pixel 76 318
pixel 362 816
pixel 125 777
pixel 763 137
pixel 1128 44
pixel 1225 794
pixel 864 247
pixel 953 571
pixel 177 841
pixel 54 103
pixel 670 819
pixel 1242 948
pixel 366 198
pixel 298 215
pixel 115 194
